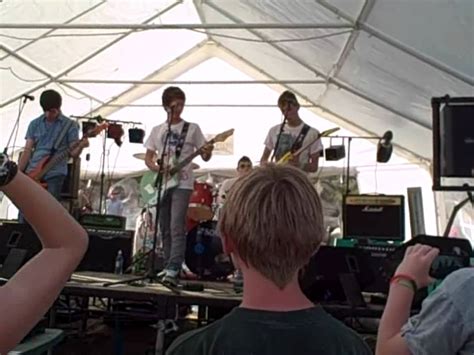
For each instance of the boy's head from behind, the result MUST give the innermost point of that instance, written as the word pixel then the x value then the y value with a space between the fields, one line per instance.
pixel 272 222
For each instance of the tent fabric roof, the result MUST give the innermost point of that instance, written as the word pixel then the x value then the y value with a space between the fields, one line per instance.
pixel 368 65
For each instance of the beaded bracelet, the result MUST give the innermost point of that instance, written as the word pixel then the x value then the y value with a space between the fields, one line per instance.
pixel 405 280
pixel 8 170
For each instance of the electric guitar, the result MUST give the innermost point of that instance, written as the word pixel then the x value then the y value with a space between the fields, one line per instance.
pixel 47 163
pixel 170 179
pixel 289 155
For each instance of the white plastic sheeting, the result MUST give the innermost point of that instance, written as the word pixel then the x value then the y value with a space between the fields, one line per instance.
pixel 376 67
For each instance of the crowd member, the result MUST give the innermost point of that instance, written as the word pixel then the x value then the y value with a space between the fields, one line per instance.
pixel 271 225
pixel 444 325
pixel 27 296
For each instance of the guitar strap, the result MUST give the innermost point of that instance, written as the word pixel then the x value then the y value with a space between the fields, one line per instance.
pixel 182 138
pixel 299 140
pixel 61 136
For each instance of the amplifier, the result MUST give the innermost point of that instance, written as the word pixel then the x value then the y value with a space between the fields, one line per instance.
pixel 374 217
pixel 18 244
pixel 104 245
pixel 103 221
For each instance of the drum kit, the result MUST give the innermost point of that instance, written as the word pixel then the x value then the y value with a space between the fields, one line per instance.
pixel 204 253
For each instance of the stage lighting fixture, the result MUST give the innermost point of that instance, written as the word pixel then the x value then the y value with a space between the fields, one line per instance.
pixel 115 131
pixel 136 135
pixel 88 126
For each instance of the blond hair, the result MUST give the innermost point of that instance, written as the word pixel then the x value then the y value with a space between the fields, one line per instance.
pixel 274 220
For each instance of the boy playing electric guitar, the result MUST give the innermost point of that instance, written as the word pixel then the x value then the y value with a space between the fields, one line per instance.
pixel 51 133
pixel 184 139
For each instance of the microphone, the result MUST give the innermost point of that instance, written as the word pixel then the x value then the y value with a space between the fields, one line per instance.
pixel 385 148
pixel 29 97
pixel 386 138
pixel 170 108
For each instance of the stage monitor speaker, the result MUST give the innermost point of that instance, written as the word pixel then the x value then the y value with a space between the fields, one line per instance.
pixel 377 217
pixel 15 237
pixel 71 183
pixel 457 141
pixel 103 249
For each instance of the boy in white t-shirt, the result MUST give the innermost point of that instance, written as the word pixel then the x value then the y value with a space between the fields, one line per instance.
pixel 185 138
pixel 295 134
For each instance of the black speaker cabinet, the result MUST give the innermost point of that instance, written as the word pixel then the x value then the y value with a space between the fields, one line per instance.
pixel 374 217
pixel 103 249
pixel 71 183
pixel 18 236
pixel 457 141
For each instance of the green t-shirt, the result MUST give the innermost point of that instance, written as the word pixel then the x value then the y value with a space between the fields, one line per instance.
pixel 253 332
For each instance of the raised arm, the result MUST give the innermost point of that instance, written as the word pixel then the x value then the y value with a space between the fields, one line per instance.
pixel 411 274
pixel 28 295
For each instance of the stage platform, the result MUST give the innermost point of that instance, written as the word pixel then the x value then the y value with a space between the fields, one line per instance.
pixel 214 294
pixel 94 284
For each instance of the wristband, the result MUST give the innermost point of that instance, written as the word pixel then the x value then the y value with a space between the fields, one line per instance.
pixel 405 280
pixel 8 170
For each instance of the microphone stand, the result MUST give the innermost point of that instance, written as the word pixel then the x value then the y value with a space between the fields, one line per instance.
pixel 100 119
pixel 348 165
pixel 159 188
pixel 456 209
pixel 17 122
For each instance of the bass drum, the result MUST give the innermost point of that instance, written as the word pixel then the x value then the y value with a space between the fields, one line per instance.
pixel 204 254
pixel 200 202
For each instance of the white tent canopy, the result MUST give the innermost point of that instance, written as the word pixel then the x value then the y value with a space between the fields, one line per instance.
pixel 367 66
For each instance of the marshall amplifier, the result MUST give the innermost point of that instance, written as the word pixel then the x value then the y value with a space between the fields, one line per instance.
pixel 375 217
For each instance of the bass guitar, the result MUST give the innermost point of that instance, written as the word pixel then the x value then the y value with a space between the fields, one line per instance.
pixel 47 163
pixel 170 179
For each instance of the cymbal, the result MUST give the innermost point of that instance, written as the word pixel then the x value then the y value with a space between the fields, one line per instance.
pixel 141 156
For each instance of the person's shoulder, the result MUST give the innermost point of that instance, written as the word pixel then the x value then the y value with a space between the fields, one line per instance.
pixel 158 127
pixel 274 128
pixel 313 130
pixel 344 334
pixel 36 121
pixel 192 342
pixel 460 282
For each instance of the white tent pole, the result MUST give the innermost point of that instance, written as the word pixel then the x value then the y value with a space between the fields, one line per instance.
pixel 88 57
pixel 44 35
pixel 42 71
pixel 192 57
pixel 187 82
pixel 171 26
pixel 337 82
pixel 427 60
pixel 363 15
pixel 209 105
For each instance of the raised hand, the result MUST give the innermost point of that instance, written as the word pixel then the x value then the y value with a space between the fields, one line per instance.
pixel 417 263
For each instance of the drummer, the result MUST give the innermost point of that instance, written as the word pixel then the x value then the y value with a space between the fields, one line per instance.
pixel 244 166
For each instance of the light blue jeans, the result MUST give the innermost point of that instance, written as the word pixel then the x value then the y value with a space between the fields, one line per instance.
pixel 173 210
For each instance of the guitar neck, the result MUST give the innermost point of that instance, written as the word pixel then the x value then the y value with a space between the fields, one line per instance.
pixel 188 159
